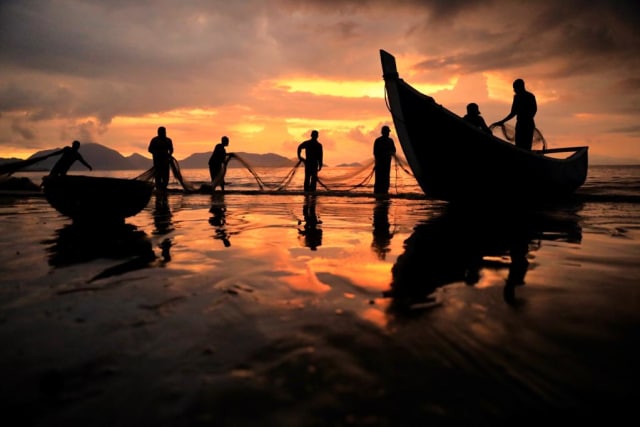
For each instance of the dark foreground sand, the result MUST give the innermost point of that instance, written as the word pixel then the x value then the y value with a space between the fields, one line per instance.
pixel 240 311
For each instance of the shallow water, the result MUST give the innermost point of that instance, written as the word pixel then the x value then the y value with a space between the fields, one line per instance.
pixel 224 310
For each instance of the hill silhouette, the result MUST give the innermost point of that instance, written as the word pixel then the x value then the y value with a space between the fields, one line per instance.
pixel 200 160
pixel 105 158
pixel 101 157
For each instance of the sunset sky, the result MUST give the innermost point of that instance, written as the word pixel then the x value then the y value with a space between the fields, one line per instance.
pixel 266 73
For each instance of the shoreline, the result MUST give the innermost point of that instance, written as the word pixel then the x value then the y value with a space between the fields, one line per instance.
pixel 24 187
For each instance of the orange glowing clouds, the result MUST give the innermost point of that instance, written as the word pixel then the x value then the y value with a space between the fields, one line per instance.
pixel 500 88
pixel 266 76
pixel 350 89
pixel 345 89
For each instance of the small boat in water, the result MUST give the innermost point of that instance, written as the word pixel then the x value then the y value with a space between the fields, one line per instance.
pixel 88 199
pixel 453 160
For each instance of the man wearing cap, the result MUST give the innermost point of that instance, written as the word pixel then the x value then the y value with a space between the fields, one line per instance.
pixel 383 150
pixel 473 116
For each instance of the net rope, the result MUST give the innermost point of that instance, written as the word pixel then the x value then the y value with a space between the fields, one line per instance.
pixel 353 180
pixel 508 132
pixel 8 169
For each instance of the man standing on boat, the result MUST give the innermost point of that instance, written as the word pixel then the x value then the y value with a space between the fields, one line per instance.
pixel 312 161
pixel 383 150
pixel 69 156
pixel 524 107
pixel 161 147
pixel 218 163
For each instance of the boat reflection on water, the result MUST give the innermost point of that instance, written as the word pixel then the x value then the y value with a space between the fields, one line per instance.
pixel 310 233
pixel 77 244
pixel 218 219
pixel 381 234
pixel 455 245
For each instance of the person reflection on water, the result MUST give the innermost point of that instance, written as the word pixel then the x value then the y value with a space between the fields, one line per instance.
pixel 312 161
pixel 310 232
pixel 381 234
pixel 218 219
pixel 518 267
pixel 162 216
pixel 68 158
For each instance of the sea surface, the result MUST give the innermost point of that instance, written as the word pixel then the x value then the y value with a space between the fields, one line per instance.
pixel 603 181
pixel 338 309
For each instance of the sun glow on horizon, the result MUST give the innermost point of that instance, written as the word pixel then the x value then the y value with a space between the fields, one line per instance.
pixel 350 89
pixel 342 88
pixel 168 117
pixel 500 88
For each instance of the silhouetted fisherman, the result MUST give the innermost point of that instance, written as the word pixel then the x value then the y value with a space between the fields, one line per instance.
pixel 473 116
pixel 69 156
pixel 524 108
pixel 161 147
pixel 218 163
pixel 312 160
pixel 383 150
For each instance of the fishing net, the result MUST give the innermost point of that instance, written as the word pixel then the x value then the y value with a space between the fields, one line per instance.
pixel 288 178
pixel 186 185
pixel 8 169
pixel 146 175
pixel 346 182
pixel 149 175
pixel 508 132
pixel 244 163
pixel 350 181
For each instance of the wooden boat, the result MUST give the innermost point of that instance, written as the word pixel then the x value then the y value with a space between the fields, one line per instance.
pixel 96 199
pixel 454 161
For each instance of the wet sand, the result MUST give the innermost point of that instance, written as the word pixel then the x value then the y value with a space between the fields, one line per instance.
pixel 243 310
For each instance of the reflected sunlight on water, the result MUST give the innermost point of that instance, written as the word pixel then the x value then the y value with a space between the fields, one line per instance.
pixel 396 307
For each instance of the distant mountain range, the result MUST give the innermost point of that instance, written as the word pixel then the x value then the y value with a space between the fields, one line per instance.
pixel 104 158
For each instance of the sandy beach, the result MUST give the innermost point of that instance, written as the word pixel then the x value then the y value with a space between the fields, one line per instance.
pixel 242 310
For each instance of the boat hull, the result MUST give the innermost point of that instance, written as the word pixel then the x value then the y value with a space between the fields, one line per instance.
pixel 96 199
pixel 454 161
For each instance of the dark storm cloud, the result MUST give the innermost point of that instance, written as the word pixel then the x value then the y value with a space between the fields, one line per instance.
pixel 126 57
pixel 24 132
pixel 582 36
pixel 130 41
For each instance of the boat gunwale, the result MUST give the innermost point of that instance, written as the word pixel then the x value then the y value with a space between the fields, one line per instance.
pixel 559 174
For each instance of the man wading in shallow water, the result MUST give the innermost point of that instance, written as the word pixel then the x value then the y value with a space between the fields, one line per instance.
pixel 161 147
pixel 312 161
pixel 383 150
pixel 218 163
